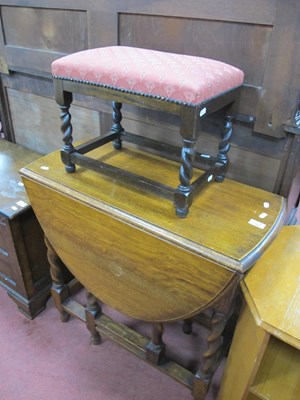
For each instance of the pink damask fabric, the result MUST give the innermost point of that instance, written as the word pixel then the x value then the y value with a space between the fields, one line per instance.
pixel 175 77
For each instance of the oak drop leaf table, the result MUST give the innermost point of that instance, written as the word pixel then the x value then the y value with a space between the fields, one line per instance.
pixel 127 248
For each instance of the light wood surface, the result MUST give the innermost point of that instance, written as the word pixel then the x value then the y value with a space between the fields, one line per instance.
pixel 245 355
pixel 264 359
pixel 278 272
pixel 13 197
pixel 278 377
pixel 220 214
pixel 122 243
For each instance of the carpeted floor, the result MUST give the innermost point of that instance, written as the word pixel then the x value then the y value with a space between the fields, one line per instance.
pixel 46 359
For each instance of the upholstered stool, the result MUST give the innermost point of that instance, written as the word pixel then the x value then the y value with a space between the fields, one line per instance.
pixel 187 86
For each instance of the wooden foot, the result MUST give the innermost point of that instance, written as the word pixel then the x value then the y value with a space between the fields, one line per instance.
pixel 156 348
pixel 200 386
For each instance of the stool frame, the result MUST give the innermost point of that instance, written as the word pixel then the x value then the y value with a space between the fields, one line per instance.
pixel 190 128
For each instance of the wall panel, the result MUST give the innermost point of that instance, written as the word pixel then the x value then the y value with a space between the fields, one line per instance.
pixel 36 121
pixel 33 37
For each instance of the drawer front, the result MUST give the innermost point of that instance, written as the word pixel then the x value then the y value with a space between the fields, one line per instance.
pixel 4 231
pixel 6 271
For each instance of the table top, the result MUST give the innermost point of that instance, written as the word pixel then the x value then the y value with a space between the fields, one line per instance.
pixel 13 197
pixel 229 223
pixel 277 309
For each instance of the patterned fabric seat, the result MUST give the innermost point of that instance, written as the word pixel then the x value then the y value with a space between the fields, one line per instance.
pixel 176 78
pixel 188 86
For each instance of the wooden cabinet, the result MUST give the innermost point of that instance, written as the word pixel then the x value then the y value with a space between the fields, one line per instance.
pixel 24 269
pixel 264 359
pixel 278 376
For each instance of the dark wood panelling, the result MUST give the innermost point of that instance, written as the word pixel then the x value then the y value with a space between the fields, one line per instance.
pixel 35 36
pixel 180 35
pixel 45 29
pixel 236 32
pixel 281 85
pixel 257 11
pixel 45 113
pixel 3 62
pixel 288 181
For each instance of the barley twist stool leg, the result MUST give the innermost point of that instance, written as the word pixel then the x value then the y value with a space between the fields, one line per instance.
pixel 183 198
pixel 67 131
pixel 224 147
pixel 117 127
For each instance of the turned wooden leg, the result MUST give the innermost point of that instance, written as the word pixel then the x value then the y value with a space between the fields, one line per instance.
pixel 59 290
pixel 224 147
pixel 117 127
pixel 156 347
pixel 211 357
pixel 92 311
pixel 67 131
pixel 183 195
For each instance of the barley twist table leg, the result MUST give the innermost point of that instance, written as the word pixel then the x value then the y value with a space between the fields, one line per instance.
pixel 59 289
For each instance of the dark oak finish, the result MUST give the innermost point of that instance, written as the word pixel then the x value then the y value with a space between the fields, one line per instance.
pixel 126 247
pixel 190 120
pixel 24 270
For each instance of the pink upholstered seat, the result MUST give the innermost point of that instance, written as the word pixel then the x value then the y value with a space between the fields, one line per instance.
pixel 176 78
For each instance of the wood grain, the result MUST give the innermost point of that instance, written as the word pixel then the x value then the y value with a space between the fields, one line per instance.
pixel 122 242
pixel 278 377
pixel 219 215
pixel 264 362
pixel 280 269
pixel 11 189
pixel 115 261
pixel 45 111
pixel 274 107
pixel 24 270
pixel 244 358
